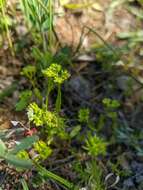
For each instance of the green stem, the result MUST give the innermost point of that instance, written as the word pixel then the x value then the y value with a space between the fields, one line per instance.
pixel 53 176
pixel 49 12
pixel 48 93
pixel 58 100
pixel 51 22
pixel 44 41
pixel 6 28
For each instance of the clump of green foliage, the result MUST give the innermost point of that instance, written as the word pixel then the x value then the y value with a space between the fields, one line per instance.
pixel 111 104
pixel 39 17
pixel 111 107
pixel 83 115
pixel 90 176
pixel 29 72
pixel 95 145
pixel 54 75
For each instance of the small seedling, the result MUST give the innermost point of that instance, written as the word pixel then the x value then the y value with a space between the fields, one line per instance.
pixel 110 107
pixel 90 175
pixel 29 72
pixel 95 145
pixel 83 115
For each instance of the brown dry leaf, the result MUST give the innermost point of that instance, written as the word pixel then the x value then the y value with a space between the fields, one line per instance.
pixel 5 125
pixel 3 70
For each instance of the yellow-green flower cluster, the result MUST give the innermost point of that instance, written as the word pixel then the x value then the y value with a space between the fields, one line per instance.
pixel 35 114
pixel 42 117
pixel 42 149
pixel 56 73
pixel 23 154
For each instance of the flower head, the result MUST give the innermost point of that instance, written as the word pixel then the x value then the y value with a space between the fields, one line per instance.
pixel 42 149
pixel 42 117
pixel 56 72
pixel 35 114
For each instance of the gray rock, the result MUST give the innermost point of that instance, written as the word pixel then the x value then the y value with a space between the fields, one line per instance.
pixel 139 179
pixel 137 167
pixel 80 87
pixel 123 82
pixel 128 183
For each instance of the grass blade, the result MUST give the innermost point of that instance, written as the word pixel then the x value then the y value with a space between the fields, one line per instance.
pixel 55 177
pixel 24 184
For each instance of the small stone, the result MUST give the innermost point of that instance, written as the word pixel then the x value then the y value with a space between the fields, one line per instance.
pixel 128 183
pixel 139 179
pixel 80 86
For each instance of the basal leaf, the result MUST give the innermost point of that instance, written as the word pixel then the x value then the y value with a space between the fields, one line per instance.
pixel 17 162
pixel 26 143
pixel 2 148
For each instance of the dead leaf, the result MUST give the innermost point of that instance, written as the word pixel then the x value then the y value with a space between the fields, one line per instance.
pixel 5 125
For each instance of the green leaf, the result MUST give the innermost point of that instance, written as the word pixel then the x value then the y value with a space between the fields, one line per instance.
pixel 47 174
pixel 2 148
pixel 58 100
pixel 128 35
pixel 136 11
pixel 8 91
pixel 38 94
pixel 17 162
pixel 75 131
pixel 26 143
pixel 24 100
pixel 24 184
pixel 74 6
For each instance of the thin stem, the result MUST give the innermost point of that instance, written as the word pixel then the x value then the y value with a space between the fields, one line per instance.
pixel 46 173
pixel 44 41
pixel 6 28
pixel 50 21
pixel 49 12
pixel 48 93
pixel 58 100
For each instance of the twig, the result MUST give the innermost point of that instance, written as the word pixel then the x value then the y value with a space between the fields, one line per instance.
pixel 98 35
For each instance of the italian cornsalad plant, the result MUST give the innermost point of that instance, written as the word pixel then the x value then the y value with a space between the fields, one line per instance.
pixel 68 128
